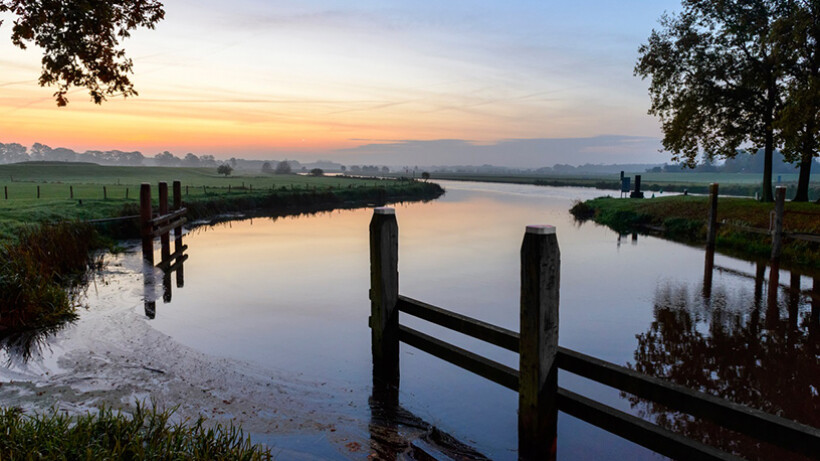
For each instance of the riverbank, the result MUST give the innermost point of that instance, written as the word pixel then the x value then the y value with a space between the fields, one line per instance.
pixel 39 273
pixel 742 185
pixel 683 218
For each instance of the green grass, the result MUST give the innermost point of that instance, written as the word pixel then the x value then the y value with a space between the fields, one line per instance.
pixel 147 434
pixel 740 184
pixel 683 218
pixel 55 181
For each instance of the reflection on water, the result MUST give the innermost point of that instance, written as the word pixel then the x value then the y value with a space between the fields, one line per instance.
pixel 725 339
pixel 171 263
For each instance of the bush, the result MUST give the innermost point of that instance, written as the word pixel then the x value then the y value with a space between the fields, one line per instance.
pixel 317 172
pixel 283 167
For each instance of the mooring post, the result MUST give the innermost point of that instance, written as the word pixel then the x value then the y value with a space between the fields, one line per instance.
pixel 177 205
pixel 538 381
pixel 711 231
pixel 146 227
pixel 777 231
pixel 384 315
pixel 71 192
pixel 165 242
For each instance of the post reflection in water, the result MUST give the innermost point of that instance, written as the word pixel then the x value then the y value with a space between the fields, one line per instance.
pixel 171 262
pixel 714 343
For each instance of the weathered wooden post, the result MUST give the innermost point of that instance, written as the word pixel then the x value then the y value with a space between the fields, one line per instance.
pixel 538 382
pixel 384 315
pixel 38 191
pixel 105 193
pixel 777 231
pixel 165 242
pixel 186 190
pixel 126 193
pixel 71 192
pixel 146 227
pixel 176 206
pixel 711 230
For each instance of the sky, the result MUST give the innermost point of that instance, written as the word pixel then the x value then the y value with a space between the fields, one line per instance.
pixel 361 81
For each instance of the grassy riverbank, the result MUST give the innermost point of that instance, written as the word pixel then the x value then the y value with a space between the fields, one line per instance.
pixel 683 218
pixel 45 245
pixel 146 434
pixel 739 184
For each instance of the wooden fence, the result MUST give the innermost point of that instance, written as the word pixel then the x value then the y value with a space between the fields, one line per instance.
pixel 775 226
pixel 540 358
pixel 160 225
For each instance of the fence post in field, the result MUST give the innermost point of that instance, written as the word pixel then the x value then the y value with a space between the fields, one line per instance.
pixel 71 192
pixel 165 243
pixel 711 231
pixel 146 227
pixel 538 381
pixel 229 188
pixel 38 191
pixel 384 315
pixel 777 231
pixel 186 190
pixel 105 193
pixel 6 191
pixel 126 193
pixel 176 206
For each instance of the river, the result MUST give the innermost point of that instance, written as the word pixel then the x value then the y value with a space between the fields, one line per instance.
pixel 269 326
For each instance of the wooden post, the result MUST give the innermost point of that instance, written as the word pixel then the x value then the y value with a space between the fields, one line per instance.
pixel 146 227
pixel 71 192
pixel 163 210
pixel 229 188
pixel 711 231
pixel 777 232
pixel 126 193
pixel 105 193
pixel 38 191
pixel 384 316
pixel 186 190
pixel 176 206
pixel 6 191
pixel 538 382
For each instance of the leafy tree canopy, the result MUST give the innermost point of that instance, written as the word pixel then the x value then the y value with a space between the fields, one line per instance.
pixel 80 41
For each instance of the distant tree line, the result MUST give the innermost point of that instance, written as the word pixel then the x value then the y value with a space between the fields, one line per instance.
pixel 742 163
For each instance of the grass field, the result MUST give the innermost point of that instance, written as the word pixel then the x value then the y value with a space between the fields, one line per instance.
pixel 684 218
pixel 106 191
pixel 741 184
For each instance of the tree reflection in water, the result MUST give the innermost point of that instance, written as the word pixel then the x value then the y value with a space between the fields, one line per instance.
pixel 728 342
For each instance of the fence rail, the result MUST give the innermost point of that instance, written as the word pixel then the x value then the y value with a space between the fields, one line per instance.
pixel 540 358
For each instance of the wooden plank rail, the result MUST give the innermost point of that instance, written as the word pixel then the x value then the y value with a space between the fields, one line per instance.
pixel 501 337
pixel 167 228
pixel 486 368
pixel 758 424
pixel 540 358
pixel 636 429
pixel 772 429
pixel 167 217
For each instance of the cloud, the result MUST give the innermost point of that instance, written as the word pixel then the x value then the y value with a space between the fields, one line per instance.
pixel 516 153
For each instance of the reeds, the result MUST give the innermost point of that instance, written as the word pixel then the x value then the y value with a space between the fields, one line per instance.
pixel 38 270
pixel 107 435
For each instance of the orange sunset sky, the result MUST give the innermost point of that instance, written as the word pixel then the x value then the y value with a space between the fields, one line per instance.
pixel 262 79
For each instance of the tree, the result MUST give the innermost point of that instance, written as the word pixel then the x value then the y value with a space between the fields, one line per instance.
pixel 800 121
pixel 12 153
pixel 317 172
pixel 80 41
pixel 224 169
pixel 283 167
pixel 425 176
pixel 267 168
pixel 191 160
pixel 167 159
pixel 716 79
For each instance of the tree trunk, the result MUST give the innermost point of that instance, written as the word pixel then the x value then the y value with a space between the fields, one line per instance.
pixel 768 152
pixel 806 159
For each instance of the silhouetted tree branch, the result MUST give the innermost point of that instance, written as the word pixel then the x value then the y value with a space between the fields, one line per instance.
pixel 80 41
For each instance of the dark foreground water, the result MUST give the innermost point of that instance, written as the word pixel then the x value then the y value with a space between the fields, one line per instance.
pixel 288 298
